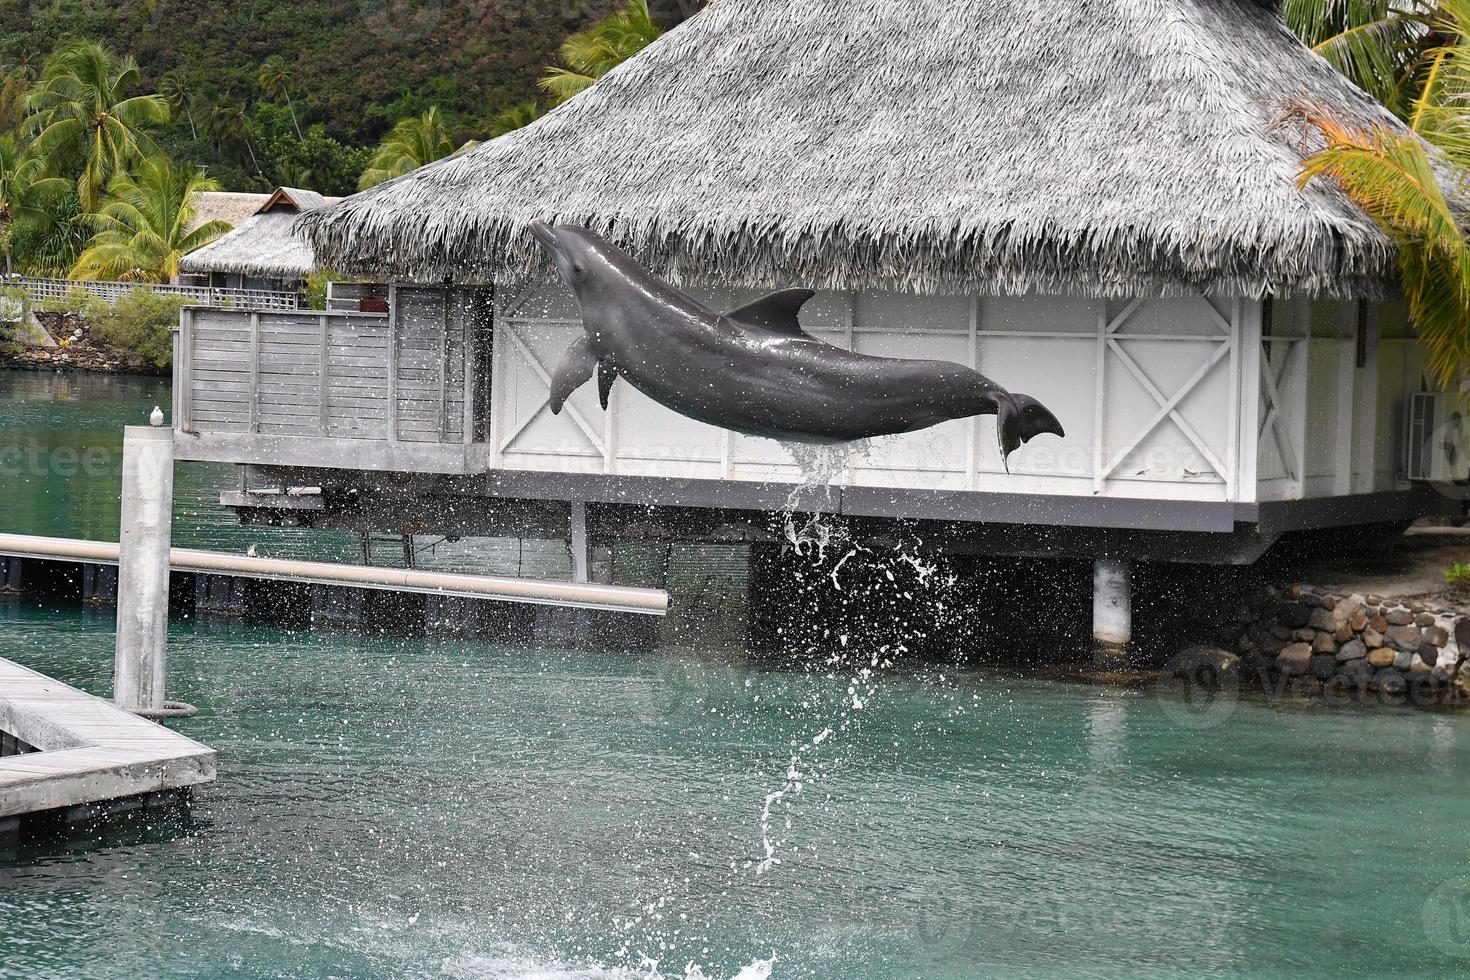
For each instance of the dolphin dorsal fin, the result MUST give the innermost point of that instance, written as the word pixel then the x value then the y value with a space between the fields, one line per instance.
pixel 776 312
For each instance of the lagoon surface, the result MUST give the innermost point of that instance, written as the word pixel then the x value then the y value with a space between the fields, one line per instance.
pixel 392 807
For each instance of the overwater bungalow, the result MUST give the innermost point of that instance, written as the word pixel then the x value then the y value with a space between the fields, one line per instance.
pixel 1113 223
pixel 260 252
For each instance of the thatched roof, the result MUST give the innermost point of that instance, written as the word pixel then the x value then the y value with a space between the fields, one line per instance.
pixel 1111 147
pixel 263 244
pixel 231 207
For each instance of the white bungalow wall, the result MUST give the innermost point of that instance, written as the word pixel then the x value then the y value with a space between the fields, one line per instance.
pixel 1397 363
pixel 1328 426
pixel 1161 398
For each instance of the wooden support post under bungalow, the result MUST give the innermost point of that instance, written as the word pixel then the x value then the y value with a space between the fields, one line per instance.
pixel 12 575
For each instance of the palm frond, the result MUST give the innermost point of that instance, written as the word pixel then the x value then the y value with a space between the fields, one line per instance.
pixel 413 143
pixel 1393 178
pixel 592 53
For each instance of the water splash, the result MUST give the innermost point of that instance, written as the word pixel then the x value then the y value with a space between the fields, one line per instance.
pixel 826 543
pixel 822 467
pixel 862 573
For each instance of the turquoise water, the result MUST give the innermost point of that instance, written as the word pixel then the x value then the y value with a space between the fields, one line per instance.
pixel 423 807
pixel 61 465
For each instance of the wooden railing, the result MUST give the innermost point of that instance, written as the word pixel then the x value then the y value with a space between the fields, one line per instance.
pixel 43 290
pixel 324 388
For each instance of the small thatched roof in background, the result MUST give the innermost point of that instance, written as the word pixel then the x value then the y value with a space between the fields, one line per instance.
pixel 263 244
pixel 228 206
pixel 1111 147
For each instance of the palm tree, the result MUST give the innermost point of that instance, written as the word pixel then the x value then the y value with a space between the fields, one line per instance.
pixel 514 117
pixel 230 125
pixel 84 114
pixel 142 229
pixel 1396 177
pixel 1395 50
pixel 1372 42
pixel 24 193
pixel 599 49
pixel 177 88
pixel 275 81
pixel 412 143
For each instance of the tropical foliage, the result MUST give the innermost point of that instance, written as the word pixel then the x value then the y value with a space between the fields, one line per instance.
pixel 275 81
pixel 177 88
pixel 143 228
pixel 113 117
pixel 413 143
pixel 25 192
pixel 84 115
pixel 96 144
pixel 1415 56
pixel 507 120
pixel 1395 50
pixel 592 53
pixel 15 83
pixel 141 321
pixel 51 246
pixel 359 65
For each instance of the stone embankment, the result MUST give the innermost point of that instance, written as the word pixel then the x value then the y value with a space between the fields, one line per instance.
pixel 1320 642
pixel 62 342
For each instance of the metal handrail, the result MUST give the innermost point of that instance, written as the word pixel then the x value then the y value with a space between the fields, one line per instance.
pixel 581 595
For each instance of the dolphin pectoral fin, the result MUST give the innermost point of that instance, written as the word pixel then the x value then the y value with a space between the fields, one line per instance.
pixel 574 370
pixel 1018 419
pixel 606 375
pixel 776 312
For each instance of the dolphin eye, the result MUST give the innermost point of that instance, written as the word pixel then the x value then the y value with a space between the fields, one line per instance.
pixel 578 269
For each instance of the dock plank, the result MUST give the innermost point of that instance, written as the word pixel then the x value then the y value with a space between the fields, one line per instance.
pixel 114 754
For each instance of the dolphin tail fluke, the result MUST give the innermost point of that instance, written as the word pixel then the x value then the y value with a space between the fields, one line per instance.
pixel 575 370
pixel 1019 418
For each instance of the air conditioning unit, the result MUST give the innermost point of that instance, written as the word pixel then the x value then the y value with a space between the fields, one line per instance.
pixel 1436 449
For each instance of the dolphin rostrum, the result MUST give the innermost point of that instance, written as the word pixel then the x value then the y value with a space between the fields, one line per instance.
pixel 753 369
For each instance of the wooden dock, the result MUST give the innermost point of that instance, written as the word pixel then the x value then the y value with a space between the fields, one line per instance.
pixel 71 749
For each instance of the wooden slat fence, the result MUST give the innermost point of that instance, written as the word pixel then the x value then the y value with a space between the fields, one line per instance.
pixel 326 374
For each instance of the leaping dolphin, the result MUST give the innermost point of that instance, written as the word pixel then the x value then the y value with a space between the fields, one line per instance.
pixel 753 369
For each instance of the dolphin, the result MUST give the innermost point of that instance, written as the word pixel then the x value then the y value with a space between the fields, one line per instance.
pixel 754 370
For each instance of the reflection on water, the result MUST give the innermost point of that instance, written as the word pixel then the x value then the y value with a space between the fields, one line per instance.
pixel 415 807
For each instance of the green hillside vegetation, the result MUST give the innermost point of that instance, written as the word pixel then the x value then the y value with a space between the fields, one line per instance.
pixel 357 66
pixel 113 116
pixel 264 93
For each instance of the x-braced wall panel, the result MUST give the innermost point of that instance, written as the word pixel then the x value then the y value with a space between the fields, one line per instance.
pixel 1150 392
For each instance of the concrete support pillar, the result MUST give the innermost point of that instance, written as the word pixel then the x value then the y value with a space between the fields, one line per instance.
pixel 579 542
pixel 143 566
pixel 1112 613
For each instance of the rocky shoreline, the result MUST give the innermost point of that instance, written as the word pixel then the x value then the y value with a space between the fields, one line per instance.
pixel 69 348
pixel 1316 642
